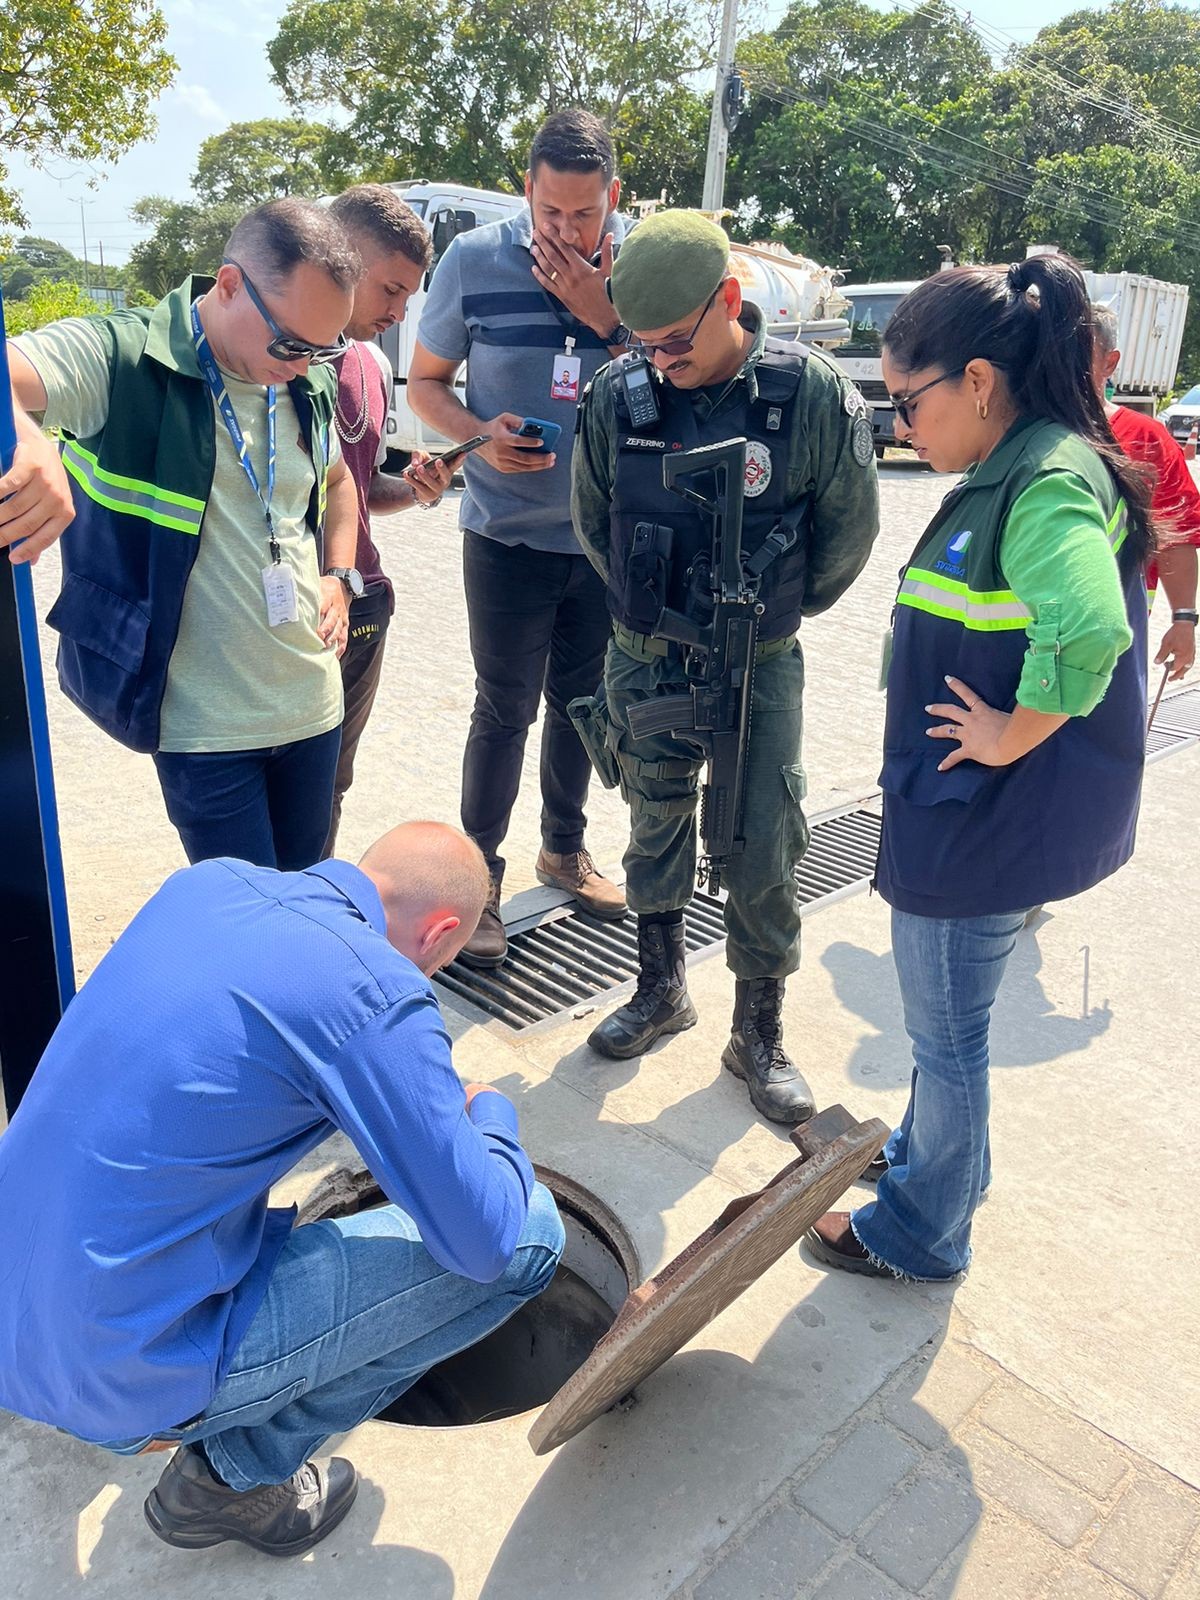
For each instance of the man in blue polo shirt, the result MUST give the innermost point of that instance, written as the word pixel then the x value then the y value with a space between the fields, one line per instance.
pixel 150 1297
pixel 525 303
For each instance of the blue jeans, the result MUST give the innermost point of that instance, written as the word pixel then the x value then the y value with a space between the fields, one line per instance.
pixel 269 807
pixel 939 1160
pixel 355 1312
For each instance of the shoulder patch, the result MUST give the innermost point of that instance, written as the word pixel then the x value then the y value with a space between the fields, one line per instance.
pixel 758 468
pixel 854 403
pixel 862 441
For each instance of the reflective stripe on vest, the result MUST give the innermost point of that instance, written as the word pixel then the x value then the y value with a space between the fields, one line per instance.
pixel 1117 528
pixel 989 611
pixel 131 495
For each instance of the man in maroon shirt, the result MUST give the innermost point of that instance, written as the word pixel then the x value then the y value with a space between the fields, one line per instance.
pixel 396 250
pixel 1176 503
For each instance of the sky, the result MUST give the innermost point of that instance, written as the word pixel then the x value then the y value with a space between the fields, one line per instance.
pixel 224 77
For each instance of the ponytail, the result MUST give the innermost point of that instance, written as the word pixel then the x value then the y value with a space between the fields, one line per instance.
pixel 1034 320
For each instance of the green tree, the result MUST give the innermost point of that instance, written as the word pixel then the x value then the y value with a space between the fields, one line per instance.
pixel 252 162
pixel 48 302
pixel 186 239
pixel 455 88
pixel 77 79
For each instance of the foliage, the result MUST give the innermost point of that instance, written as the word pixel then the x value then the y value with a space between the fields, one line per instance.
pixel 78 78
pixel 47 302
pixel 252 162
pixel 453 88
pixel 187 239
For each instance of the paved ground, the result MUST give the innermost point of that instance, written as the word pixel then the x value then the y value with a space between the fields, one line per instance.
pixel 1032 1435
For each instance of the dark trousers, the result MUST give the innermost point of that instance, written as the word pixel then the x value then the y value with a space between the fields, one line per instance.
pixel 362 666
pixel 269 807
pixel 539 625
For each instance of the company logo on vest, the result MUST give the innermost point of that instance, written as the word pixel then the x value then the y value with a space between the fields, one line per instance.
pixel 956 553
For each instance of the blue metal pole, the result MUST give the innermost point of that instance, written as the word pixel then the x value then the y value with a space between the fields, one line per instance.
pixel 36 970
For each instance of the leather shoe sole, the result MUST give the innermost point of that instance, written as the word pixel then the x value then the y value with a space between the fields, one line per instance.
pixel 843 1260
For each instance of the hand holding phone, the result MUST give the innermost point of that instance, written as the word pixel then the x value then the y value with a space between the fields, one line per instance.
pixel 535 428
pixel 508 450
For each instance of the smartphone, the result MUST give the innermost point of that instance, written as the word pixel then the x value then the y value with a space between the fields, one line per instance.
pixel 535 428
pixel 454 455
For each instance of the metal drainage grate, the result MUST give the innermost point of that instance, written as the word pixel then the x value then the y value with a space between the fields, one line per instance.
pixel 1164 741
pixel 1176 724
pixel 567 958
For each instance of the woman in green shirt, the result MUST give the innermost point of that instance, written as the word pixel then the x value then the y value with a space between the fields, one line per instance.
pixel 1015 731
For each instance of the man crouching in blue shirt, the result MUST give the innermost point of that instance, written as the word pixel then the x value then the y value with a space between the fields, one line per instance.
pixel 150 1297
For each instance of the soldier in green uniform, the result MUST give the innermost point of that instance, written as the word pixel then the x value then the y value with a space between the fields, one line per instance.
pixel 810 482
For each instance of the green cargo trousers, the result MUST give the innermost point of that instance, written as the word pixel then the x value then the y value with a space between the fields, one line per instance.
pixel 659 777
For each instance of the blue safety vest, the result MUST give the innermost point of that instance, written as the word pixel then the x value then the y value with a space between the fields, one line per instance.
pixel 979 840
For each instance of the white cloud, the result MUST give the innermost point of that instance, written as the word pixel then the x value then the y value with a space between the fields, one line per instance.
pixel 200 102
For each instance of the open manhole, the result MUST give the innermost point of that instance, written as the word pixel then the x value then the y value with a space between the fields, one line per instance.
pixel 597 1331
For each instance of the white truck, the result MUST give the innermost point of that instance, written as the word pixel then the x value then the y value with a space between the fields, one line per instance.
pixel 799 297
pixel 1150 314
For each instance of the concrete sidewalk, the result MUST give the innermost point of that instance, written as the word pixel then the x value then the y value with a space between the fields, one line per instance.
pixel 1033 1433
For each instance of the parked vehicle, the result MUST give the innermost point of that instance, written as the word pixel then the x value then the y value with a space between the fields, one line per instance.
pixel 1150 316
pixel 800 298
pixel 1183 414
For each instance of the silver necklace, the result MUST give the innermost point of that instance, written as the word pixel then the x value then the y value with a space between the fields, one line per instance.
pixel 352 432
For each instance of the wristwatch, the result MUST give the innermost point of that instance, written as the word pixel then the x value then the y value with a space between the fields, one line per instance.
pixel 620 335
pixel 351 577
pixel 1186 616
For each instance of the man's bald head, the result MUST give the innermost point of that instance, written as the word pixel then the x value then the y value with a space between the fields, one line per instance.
pixel 433 882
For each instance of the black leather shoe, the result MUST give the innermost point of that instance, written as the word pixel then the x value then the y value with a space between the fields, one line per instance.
pixel 192 1510
pixel 659 1004
pixel 488 945
pixel 755 1052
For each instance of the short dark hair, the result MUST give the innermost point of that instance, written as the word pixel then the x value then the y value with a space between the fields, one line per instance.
pixel 1034 321
pixel 573 141
pixel 273 240
pixel 374 211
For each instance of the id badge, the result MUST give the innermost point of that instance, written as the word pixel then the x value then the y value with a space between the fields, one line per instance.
pixel 564 381
pixel 885 657
pixel 279 589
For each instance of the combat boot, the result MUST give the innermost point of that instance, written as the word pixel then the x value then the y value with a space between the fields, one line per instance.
pixel 755 1052
pixel 659 1004
pixel 488 945
pixel 192 1510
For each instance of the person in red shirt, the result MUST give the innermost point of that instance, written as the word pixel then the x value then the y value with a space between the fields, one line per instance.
pixel 1176 503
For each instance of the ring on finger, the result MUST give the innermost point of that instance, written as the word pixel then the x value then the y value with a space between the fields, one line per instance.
pixel 554 277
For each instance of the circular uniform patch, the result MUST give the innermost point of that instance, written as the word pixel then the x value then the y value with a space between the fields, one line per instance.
pixel 758 467
pixel 862 442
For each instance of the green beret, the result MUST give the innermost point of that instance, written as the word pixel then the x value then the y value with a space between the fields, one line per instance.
pixel 668 266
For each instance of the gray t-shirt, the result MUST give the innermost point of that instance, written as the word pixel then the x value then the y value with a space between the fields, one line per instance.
pixel 485 307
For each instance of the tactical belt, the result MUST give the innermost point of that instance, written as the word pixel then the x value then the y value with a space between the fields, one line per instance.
pixel 645 647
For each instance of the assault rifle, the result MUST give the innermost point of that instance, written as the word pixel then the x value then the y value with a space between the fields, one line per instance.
pixel 714 712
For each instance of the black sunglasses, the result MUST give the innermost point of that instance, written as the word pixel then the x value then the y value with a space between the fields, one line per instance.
pixel 286 346
pixel 679 347
pixel 904 402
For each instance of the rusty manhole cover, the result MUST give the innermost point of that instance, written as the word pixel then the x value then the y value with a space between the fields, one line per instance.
pixel 749 1236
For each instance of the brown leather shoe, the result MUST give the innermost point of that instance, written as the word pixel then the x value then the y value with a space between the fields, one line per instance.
pixel 576 873
pixel 833 1242
pixel 488 945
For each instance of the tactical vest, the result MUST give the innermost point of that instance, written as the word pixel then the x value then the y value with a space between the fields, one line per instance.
pixel 140 488
pixel 979 840
pixel 644 576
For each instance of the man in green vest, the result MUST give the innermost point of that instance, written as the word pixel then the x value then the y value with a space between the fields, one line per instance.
pixel 198 618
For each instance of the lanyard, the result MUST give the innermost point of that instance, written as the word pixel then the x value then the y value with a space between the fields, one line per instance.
pixel 212 376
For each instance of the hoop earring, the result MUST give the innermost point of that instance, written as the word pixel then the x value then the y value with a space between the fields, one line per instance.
pixel 982 408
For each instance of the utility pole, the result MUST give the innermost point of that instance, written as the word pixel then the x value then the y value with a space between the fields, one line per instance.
pixel 718 128
pixel 86 285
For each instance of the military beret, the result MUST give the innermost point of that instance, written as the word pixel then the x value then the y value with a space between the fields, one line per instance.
pixel 668 266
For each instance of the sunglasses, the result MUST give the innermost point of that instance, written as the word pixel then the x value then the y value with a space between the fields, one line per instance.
pixel 680 347
pixel 286 346
pixel 904 403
